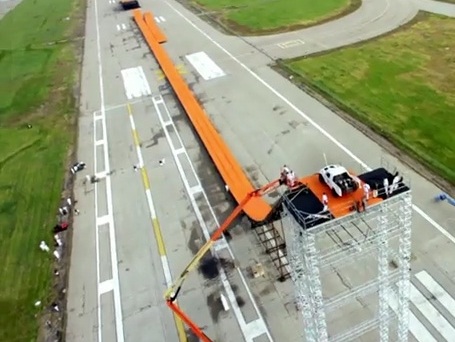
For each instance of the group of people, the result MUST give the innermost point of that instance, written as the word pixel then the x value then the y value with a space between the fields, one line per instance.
pixel 389 189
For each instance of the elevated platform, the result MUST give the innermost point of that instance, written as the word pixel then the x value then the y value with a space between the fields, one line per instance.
pixel 305 202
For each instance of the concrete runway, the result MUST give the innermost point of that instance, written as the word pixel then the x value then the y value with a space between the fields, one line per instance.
pixel 138 229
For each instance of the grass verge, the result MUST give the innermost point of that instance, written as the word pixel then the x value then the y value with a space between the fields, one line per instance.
pixel 271 16
pixel 38 59
pixel 401 85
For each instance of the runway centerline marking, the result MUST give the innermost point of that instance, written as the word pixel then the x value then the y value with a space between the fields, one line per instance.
pixel 249 330
pixel 306 117
pixel 113 247
pixel 154 220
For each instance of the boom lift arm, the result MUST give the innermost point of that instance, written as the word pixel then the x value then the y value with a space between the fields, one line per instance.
pixel 172 293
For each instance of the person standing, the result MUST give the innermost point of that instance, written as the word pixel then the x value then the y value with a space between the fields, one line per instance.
pixel 366 191
pixel 325 202
pixel 386 186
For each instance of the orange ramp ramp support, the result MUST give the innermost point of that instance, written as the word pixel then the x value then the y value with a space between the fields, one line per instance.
pixel 154 28
pixel 231 172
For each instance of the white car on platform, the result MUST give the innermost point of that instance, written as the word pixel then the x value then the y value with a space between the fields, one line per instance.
pixel 339 180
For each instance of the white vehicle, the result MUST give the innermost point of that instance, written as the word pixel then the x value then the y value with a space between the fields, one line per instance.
pixel 339 180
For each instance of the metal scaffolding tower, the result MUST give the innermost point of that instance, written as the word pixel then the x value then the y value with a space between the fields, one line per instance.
pixel 352 274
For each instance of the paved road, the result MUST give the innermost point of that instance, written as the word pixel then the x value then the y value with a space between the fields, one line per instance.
pixel 373 18
pixel 119 267
pixel 7 5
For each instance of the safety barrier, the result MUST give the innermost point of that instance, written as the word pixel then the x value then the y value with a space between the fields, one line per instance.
pixel 228 167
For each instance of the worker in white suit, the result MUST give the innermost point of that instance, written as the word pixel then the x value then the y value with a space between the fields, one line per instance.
pixel 325 202
pixel 395 183
pixel 386 186
pixel 366 191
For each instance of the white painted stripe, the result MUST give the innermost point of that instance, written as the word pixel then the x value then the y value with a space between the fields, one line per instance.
pixel 106 286
pixel 431 314
pixel 123 26
pixel 118 27
pixel 110 210
pixel 109 108
pixel 260 327
pixel 102 220
pixel 158 99
pixel 139 156
pixel 99 142
pixel 98 117
pixel 291 43
pixel 162 18
pixel 303 115
pixel 133 125
pixel 179 151
pixel 255 328
pixel 101 175
pixel 416 328
pixel 166 271
pixel 220 245
pixel 205 66
pixel 224 302
pixel 437 291
pixel 157 19
pixel 148 194
pixel 135 83
pixel 195 189
pixel 166 123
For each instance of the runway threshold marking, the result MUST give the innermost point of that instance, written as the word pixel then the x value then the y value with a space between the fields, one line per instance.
pixel 205 66
pixel 155 222
pixel 135 83
pixel 303 115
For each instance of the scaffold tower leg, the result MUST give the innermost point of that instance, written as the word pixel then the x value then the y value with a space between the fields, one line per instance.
pixel 404 251
pixel 383 273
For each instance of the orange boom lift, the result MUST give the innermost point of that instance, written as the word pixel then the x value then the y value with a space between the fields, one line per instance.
pixel 172 293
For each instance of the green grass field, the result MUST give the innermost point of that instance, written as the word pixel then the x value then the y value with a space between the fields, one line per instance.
pixel 258 16
pixel 36 87
pixel 402 85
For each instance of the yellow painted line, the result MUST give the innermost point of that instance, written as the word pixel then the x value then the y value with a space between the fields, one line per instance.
pixel 180 68
pixel 159 237
pixel 145 179
pixel 155 223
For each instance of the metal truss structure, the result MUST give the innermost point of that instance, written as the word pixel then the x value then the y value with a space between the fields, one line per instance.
pixel 271 237
pixel 352 274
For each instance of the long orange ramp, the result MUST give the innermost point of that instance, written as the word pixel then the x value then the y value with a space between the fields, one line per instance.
pixel 230 170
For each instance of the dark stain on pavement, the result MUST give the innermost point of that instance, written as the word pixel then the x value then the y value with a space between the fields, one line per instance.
pixel 194 237
pixel 294 124
pixel 209 267
pixel 215 305
pixel 155 137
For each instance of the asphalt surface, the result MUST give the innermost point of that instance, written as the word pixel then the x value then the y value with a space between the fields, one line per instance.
pixel 118 269
pixel 7 5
